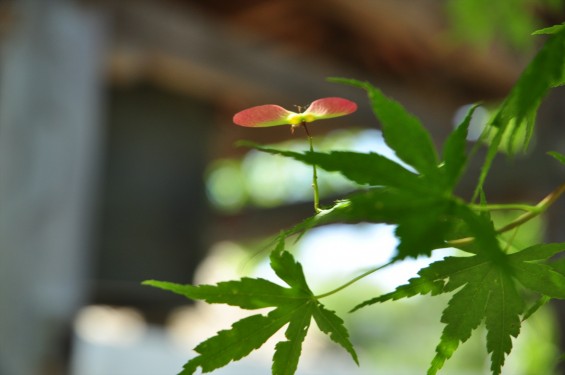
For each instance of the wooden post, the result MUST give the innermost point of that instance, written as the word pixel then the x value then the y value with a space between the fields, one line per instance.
pixel 50 80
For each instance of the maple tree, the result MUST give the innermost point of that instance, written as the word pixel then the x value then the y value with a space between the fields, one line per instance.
pixel 492 283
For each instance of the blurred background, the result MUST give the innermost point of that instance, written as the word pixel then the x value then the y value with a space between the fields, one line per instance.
pixel 118 164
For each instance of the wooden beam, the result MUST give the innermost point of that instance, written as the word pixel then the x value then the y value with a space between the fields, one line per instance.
pixel 188 51
pixel 415 38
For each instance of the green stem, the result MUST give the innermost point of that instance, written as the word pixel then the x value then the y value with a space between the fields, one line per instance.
pixel 354 280
pixel 534 211
pixel 314 174
pixel 541 207
pixel 512 206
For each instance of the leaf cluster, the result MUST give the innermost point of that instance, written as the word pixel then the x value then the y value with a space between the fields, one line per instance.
pixel 294 306
pixel 488 288
pixel 488 285
pixel 417 195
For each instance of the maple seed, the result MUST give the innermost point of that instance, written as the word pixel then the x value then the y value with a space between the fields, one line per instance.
pixel 273 115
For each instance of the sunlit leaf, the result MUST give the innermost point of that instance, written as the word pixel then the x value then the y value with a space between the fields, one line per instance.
pixel 246 293
pixel 402 131
pixel 332 325
pixel 431 280
pixel 540 278
pixel 486 291
pixel 538 252
pixel 519 109
pixel 295 306
pixel 502 318
pixel 244 336
pixel 287 353
pixel 463 314
pixel 363 168
pixel 290 271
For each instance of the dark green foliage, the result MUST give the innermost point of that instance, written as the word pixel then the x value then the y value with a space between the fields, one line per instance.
pixel 454 153
pixel 545 279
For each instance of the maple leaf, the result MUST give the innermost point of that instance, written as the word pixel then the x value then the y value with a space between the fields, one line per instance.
pixel 519 110
pixel 402 131
pixel 294 306
pixel 486 289
pixel 454 153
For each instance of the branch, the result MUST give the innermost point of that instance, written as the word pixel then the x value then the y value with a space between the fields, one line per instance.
pixel 533 211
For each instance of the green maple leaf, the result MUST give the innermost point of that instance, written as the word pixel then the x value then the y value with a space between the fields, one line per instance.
pixel 486 289
pixel 454 153
pixel 362 168
pixel 419 201
pixel 423 220
pixel 518 111
pixel 294 306
pixel 419 205
pixel 546 279
pixel 545 71
pixel 489 295
pixel 412 143
pixel 402 131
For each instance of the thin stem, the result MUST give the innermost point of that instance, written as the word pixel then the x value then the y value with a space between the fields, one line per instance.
pixel 534 211
pixel 460 242
pixel 498 207
pixel 314 173
pixel 541 207
pixel 511 240
pixel 354 280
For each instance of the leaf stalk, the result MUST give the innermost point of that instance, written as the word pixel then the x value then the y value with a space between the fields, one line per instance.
pixel 354 280
pixel 502 207
pixel 314 173
pixel 532 212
